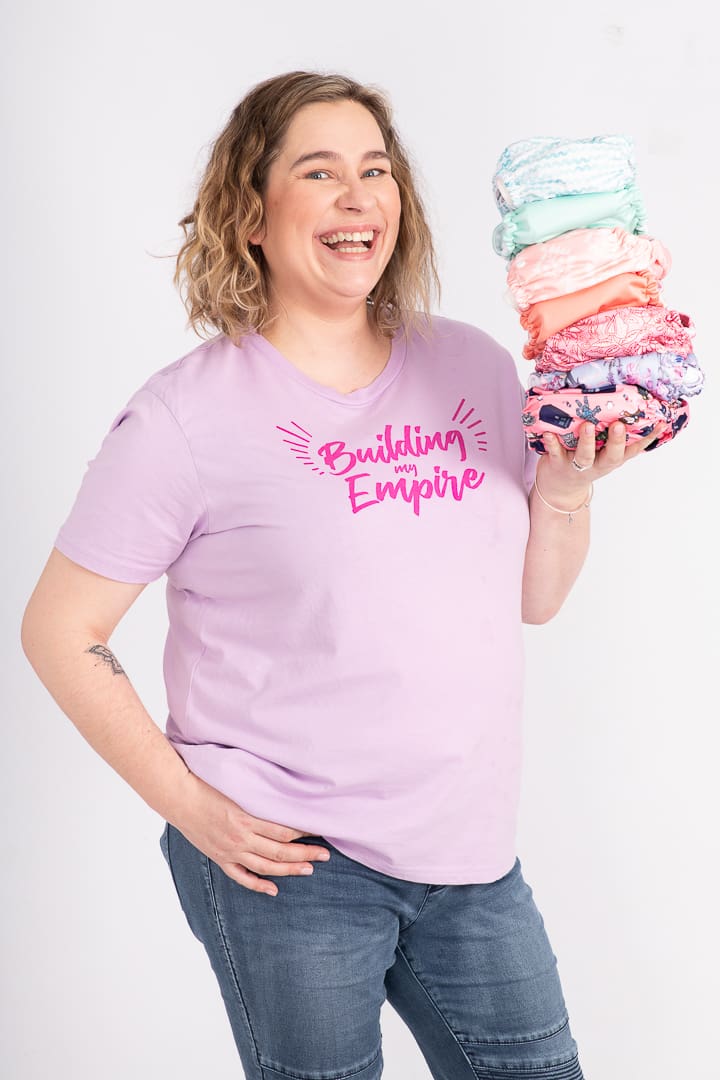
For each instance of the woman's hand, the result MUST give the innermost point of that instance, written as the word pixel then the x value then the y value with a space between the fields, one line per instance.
pixel 564 485
pixel 238 842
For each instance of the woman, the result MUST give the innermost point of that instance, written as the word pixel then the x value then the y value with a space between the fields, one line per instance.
pixel 337 488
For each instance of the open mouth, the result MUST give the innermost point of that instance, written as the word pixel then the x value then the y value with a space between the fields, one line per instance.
pixel 351 243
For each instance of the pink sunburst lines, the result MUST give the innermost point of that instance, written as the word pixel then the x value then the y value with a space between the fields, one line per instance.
pixel 477 435
pixel 301 442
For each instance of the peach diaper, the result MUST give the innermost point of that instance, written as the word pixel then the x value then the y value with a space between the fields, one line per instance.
pixel 579 259
pixel 548 317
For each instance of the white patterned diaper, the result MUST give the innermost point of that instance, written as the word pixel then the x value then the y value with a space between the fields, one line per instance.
pixel 545 166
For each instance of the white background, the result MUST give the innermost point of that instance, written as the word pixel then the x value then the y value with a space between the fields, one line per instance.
pixel 110 110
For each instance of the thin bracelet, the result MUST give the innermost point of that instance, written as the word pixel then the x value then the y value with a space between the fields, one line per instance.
pixel 569 513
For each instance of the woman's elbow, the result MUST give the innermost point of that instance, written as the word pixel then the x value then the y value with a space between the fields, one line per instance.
pixel 537 616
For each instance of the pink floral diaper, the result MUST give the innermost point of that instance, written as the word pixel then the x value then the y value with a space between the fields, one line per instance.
pixel 580 258
pixel 620 331
pixel 548 317
pixel 562 412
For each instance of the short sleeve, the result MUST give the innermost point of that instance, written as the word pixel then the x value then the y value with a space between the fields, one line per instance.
pixel 140 500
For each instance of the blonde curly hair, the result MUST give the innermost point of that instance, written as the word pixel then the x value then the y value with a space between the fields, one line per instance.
pixel 223 278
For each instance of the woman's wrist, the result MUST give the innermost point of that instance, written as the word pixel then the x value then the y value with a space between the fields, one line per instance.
pixel 565 501
pixel 564 490
pixel 569 510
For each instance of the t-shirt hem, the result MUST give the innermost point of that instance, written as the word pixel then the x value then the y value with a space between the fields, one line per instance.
pixel 434 875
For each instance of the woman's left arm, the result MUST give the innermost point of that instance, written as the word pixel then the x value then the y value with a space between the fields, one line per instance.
pixel 559 541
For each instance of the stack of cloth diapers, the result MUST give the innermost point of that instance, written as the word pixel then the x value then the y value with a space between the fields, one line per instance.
pixel 586 280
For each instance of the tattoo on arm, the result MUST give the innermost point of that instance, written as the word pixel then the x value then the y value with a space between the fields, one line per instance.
pixel 107 657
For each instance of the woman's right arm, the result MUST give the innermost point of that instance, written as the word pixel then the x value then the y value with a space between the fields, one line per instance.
pixel 66 627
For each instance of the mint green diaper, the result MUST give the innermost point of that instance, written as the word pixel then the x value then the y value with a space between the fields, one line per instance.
pixel 534 222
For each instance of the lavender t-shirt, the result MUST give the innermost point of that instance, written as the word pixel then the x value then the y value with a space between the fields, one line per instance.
pixel 344 653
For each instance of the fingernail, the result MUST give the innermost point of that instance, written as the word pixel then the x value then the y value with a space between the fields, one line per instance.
pixel 306 869
pixel 325 855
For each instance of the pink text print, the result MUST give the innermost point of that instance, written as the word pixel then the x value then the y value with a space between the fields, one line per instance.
pixel 403 451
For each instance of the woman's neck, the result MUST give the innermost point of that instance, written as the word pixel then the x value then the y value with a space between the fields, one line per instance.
pixel 345 353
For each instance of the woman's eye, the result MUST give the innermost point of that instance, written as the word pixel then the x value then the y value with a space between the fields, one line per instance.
pixel 320 173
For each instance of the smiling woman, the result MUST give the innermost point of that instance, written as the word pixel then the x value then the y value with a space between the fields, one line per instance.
pixel 336 486
pixel 315 219
pixel 274 137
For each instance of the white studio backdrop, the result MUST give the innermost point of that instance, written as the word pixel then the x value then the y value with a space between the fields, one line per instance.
pixel 108 113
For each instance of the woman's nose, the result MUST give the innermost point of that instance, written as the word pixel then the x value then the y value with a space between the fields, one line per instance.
pixel 355 196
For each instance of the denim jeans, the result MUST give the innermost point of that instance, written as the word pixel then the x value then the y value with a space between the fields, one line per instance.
pixel 304 974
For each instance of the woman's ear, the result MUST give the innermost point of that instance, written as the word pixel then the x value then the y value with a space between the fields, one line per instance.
pixel 258 236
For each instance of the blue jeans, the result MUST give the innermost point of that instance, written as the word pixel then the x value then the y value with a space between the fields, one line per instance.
pixel 304 974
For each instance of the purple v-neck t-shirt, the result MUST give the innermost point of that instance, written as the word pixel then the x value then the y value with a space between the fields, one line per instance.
pixel 344 653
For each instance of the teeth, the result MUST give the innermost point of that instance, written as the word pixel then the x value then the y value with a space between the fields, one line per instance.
pixel 340 236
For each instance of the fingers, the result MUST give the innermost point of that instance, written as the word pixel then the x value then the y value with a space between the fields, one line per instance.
pixel 614 452
pixel 241 843
pixel 641 445
pixel 263 865
pixel 555 449
pixel 294 864
pixel 279 842
pixel 618 451
pixel 585 450
pixel 267 856
pixel 262 827
pixel 275 853
pixel 250 881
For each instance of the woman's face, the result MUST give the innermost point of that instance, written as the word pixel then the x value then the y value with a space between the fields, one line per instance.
pixel 332 178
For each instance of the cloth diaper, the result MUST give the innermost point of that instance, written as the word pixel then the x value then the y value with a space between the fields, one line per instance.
pixel 547 317
pixel 620 331
pixel 545 167
pixel 665 375
pixel 536 222
pixel 562 412
pixel 579 259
